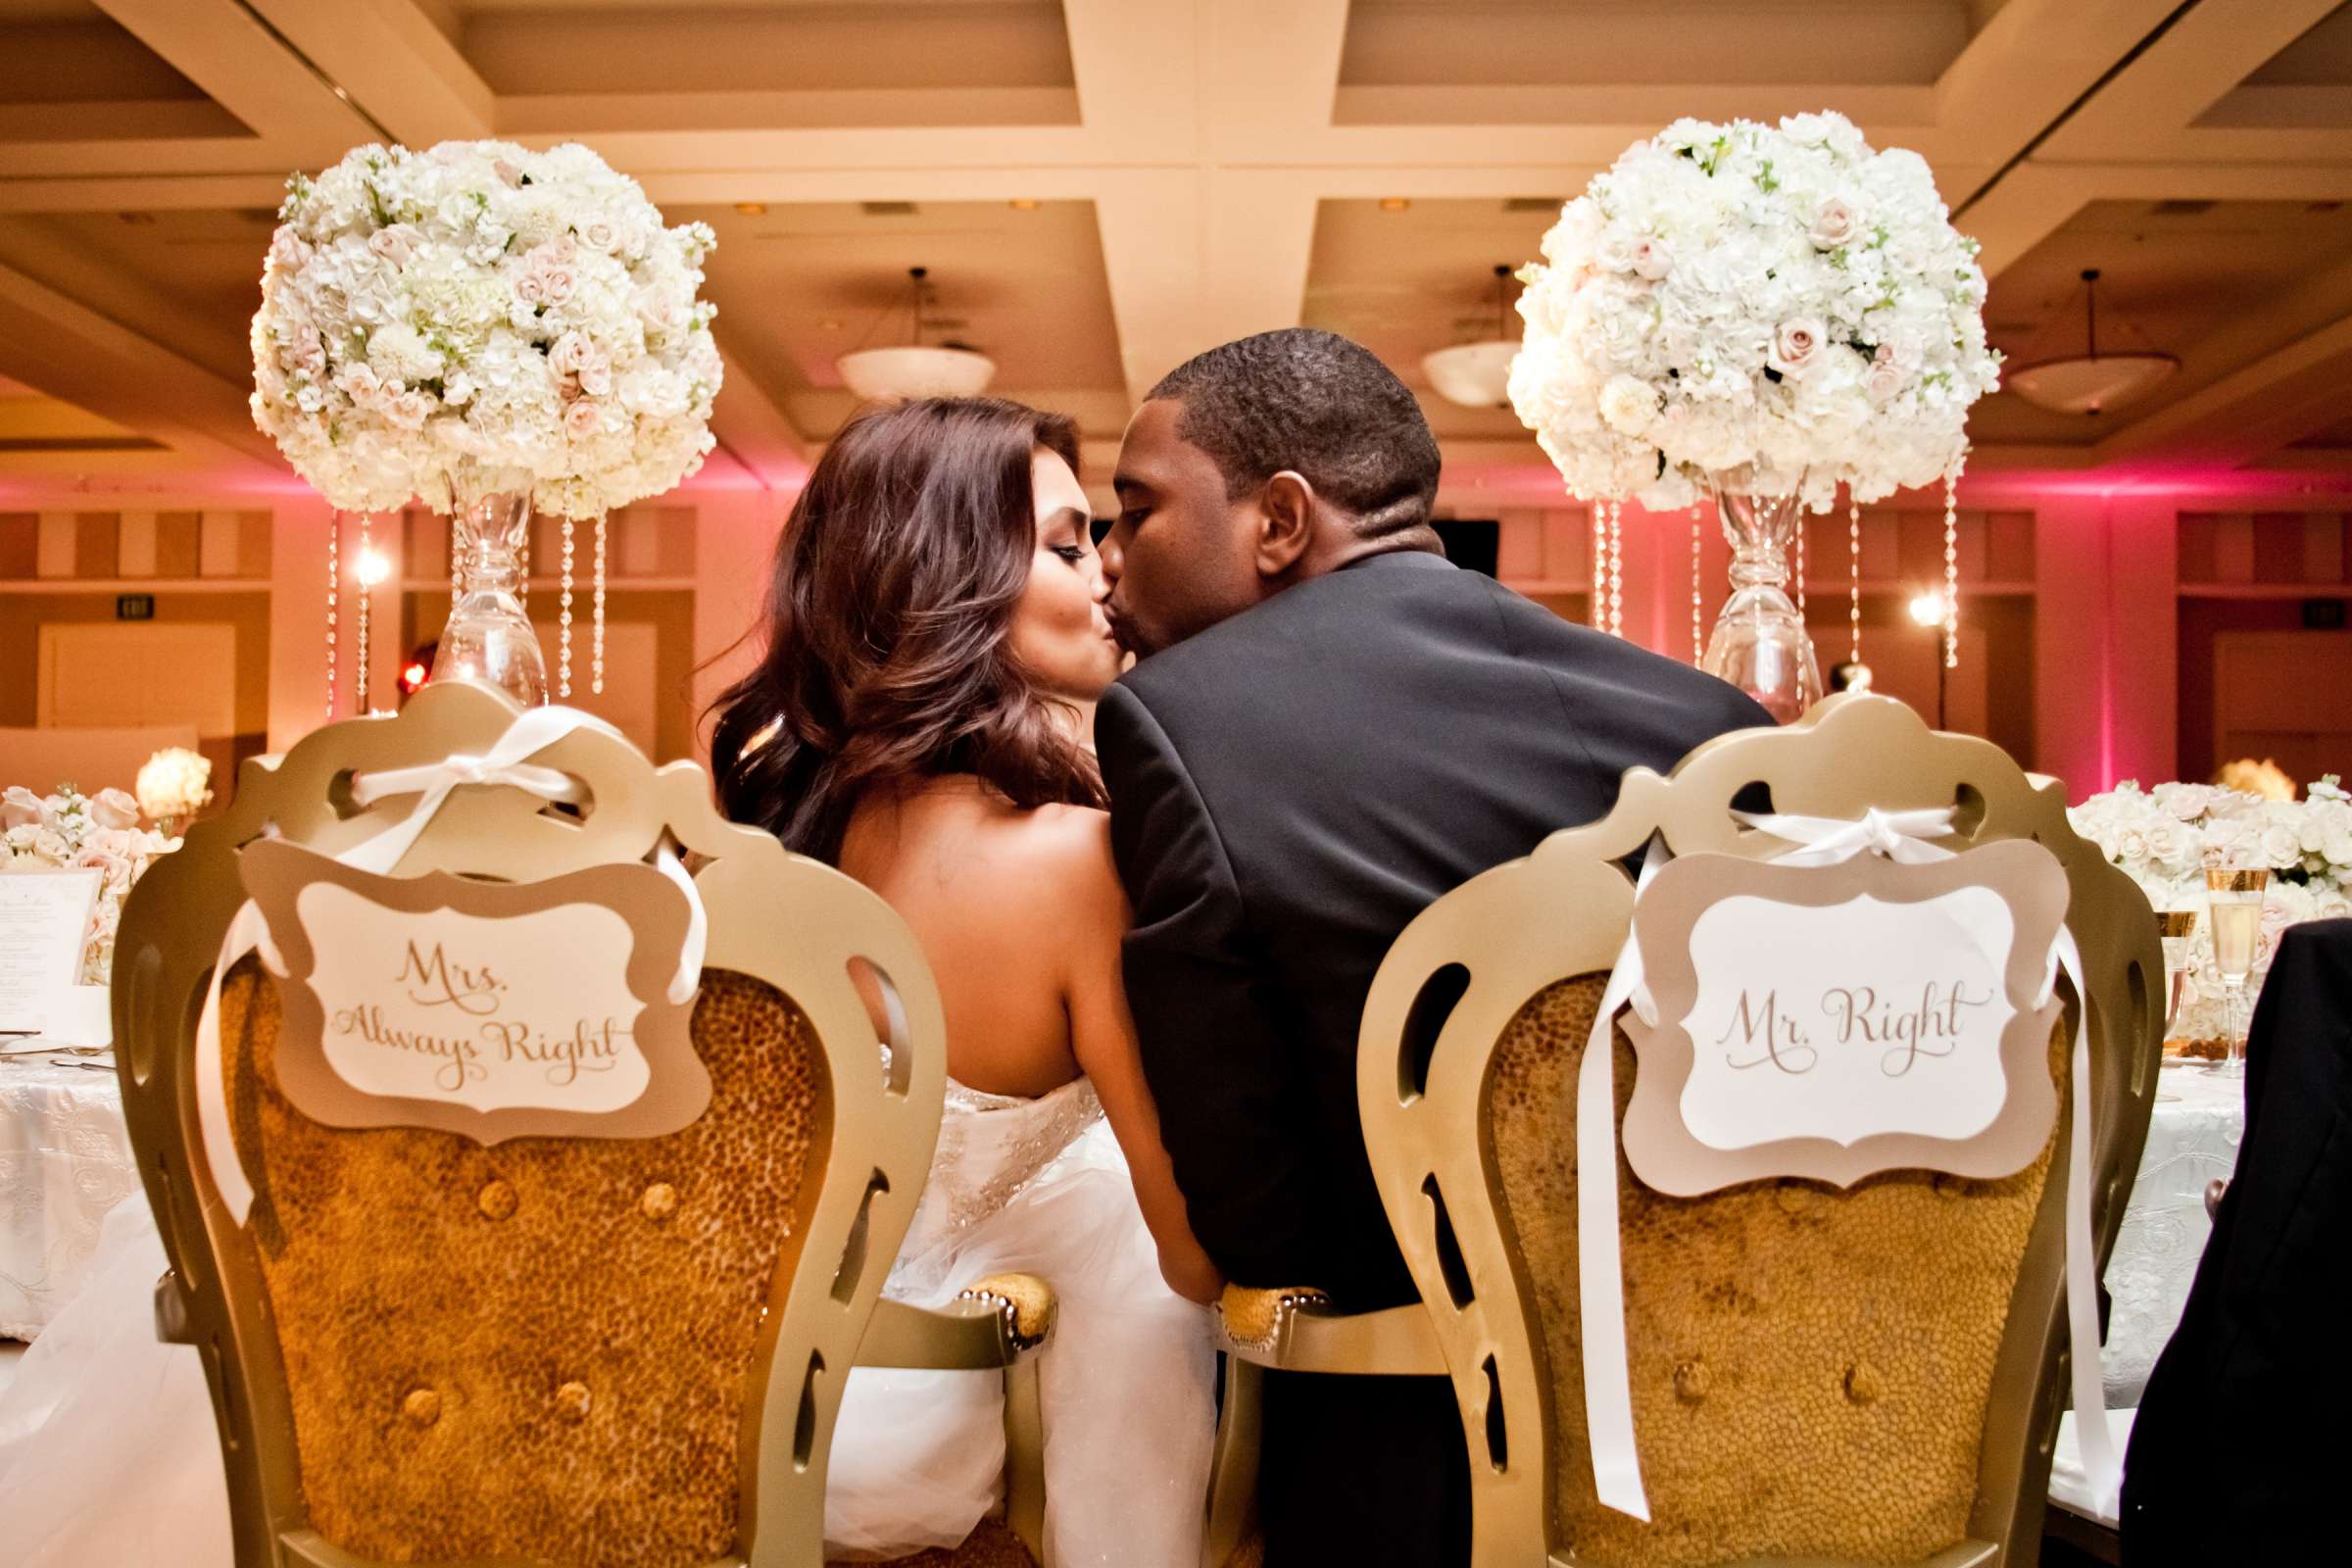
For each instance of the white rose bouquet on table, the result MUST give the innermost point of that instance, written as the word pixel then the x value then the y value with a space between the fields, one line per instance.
pixel 69 831
pixel 452 317
pixel 2165 838
pixel 1780 300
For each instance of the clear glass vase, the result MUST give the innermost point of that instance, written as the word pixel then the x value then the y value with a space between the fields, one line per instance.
pixel 489 638
pixel 1759 644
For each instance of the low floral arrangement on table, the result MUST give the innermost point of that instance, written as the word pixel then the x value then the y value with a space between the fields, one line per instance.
pixel 1778 298
pixel 481 309
pixel 67 830
pixel 2165 839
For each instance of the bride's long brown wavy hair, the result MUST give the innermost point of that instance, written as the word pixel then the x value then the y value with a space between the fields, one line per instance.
pixel 889 622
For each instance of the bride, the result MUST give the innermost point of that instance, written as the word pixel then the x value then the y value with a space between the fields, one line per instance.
pixel 935 645
pixel 936 641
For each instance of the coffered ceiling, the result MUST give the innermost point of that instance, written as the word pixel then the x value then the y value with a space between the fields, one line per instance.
pixel 1102 187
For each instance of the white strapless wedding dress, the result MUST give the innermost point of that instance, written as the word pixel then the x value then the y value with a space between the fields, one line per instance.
pixel 108 1452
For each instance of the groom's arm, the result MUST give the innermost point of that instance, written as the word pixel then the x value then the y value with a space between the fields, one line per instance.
pixel 1226 1083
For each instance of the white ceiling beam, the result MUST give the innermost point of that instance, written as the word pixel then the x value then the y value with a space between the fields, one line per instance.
pixel 221 47
pixel 71 352
pixel 2272 403
pixel 392 60
pixel 2210 50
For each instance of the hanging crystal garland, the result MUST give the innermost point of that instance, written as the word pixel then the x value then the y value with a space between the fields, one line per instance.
pixel 1600 565
pixel 366 580
pixel 335 573
pixel 596 658
pixel 1699 639
pixel 456 575
pixel 1616 569
pixel 1854 576
pixel 1951 569
pixel 1803 529
pixel 563 620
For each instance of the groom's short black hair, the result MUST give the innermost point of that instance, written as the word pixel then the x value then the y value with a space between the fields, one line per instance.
pixel 1320 405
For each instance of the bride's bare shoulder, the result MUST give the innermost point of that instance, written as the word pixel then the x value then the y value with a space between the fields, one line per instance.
pixel 1068 846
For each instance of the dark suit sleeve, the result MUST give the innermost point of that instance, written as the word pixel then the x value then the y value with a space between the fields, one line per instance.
pixel 1214 1056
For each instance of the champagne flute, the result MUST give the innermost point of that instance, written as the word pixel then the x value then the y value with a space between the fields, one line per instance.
pixel 2174 928
pixel 2234 908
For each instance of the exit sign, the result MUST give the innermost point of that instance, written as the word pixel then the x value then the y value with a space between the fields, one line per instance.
pixel 134 606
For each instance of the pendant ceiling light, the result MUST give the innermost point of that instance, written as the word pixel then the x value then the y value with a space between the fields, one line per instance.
pixel 2090 382
pixel 1478 375
pixel 916 369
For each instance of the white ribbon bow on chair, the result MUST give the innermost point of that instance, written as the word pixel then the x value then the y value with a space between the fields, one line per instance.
pixel 1901 836
pixel 506 763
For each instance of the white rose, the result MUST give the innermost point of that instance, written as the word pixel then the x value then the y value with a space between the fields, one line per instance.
pixel 1883 381
pixel 2279 844
pixel 112 807
pixel 1614 251
pixel 1653 258
pixel 1834 225
pixel 20 808
pixel 582 418
pixel 1797 346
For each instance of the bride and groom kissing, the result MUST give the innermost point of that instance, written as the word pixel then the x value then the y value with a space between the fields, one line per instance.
pixel 1154 900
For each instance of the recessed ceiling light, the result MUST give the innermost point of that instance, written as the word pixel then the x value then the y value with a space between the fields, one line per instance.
pixel 751 208
pixel 1023 204
pixel 1394 203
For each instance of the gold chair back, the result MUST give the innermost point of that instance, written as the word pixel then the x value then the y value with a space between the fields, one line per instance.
pixel 1866 1374
pixel 585 1350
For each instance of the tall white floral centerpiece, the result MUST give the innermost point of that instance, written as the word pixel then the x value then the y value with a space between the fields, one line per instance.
pixel 488 329
pixel 1765 314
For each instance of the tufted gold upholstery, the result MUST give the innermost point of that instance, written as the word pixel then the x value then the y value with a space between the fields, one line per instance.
pixel 1810 1367
pixel 443 1307
pixel 553 1349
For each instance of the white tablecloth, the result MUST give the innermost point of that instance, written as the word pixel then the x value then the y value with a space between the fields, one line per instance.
pixel 2192 1137
pixel 64 1160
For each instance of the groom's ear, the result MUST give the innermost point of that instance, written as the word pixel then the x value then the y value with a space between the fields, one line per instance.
pixel 1286 523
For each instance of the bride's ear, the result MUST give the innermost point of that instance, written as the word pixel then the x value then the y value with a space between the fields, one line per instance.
pixel 1286 523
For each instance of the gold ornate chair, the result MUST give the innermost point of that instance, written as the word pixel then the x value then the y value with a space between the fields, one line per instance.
pixel 576 1351
pixel 1819 1376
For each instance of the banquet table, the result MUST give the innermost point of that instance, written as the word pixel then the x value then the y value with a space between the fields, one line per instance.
pixel 2192 1137
pixel 64 1160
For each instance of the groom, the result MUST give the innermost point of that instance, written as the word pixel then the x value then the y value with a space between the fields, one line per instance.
pixel 1328 727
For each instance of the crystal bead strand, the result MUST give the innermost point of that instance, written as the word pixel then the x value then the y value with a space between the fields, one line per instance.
pixel 596 644
pixel 1853 575
pixel 1697 645
pixel 335 550
pixel 1616 569
pixel 563 621
pixel 359 673
pixel 1800 566
pixel 1952 571
pixel 1600 565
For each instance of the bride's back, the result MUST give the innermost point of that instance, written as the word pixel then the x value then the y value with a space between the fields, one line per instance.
pixel 988 889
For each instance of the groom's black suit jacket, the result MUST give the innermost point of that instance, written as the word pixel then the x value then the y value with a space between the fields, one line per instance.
pixel 1288 789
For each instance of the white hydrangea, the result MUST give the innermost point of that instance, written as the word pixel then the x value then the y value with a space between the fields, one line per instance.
pixel 442 319
pixel 1790 301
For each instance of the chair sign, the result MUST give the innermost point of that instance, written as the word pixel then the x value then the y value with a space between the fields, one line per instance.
pixel 492 1009
pixel 1833 1021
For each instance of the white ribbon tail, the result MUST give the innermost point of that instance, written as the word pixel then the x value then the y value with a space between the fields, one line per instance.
pixel 2102 1467
pixel 1600 1270
pixel 246 929
pixel 698 923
